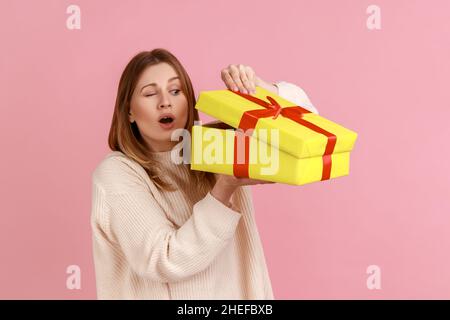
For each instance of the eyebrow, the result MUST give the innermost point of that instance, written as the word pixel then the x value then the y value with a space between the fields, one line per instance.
pixel 154 84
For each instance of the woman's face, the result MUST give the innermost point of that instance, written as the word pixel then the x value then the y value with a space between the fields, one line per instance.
pixel 159 106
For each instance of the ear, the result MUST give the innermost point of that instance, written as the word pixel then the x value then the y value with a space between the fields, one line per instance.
pixel 130 117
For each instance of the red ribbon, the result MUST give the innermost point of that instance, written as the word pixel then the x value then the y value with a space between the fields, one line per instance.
pixel 273 109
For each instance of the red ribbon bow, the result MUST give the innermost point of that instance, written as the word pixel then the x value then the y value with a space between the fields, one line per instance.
pixel 273 109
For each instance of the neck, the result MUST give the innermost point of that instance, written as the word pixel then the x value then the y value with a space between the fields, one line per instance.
pixel 161 146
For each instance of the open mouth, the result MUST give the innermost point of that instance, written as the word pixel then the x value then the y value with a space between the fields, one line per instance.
pixel 167 119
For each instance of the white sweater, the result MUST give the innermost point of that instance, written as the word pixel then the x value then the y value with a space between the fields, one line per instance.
pixel 183 244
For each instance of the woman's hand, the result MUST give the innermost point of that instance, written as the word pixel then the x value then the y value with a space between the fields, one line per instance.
pixel 226 185
pixel 242 78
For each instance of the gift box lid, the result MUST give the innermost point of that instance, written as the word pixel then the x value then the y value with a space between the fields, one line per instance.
pixel 300 132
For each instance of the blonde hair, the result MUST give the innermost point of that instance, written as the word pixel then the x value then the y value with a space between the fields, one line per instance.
pixel 125 136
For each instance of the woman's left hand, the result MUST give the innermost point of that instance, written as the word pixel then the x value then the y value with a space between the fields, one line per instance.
pixel 240 77
pixel 243 78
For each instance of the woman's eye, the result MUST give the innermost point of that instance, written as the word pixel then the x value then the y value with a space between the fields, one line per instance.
pixel 176 92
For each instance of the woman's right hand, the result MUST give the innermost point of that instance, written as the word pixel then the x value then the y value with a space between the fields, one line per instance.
pixel 227 184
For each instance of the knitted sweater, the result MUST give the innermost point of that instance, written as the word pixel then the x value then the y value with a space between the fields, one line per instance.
pixel 182 244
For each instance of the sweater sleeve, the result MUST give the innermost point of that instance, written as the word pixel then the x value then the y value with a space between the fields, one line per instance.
pixel 152 245
pixel 295 94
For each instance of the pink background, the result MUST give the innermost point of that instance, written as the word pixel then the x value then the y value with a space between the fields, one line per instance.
pixel 58 89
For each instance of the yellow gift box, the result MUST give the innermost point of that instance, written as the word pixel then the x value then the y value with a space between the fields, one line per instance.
pixel 282 142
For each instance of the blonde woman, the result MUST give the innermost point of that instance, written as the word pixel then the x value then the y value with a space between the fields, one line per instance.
pixel 160 230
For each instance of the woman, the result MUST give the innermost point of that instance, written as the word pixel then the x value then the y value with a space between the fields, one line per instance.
pixel 160 230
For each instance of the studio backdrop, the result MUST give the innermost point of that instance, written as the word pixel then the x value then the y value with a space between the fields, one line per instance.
pixel 380 68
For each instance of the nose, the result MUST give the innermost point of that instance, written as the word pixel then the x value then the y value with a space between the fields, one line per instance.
pixel 165 101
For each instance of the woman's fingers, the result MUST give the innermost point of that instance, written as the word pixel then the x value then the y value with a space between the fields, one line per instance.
pixel 252 79
pixel 235 74
pixel 244 78
pixel 250 181
pixel 262 181
pixel 229 82
pixel 237 181
pixel 239 77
